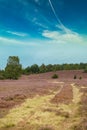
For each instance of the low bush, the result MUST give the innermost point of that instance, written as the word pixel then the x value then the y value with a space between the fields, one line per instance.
pixel 2 77
pixel 80 78
pixel 55 76
pixel 75 77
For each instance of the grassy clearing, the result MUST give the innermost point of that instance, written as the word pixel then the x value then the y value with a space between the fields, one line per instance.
pixel 39 114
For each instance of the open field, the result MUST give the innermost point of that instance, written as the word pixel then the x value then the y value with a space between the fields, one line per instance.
pixel 38 102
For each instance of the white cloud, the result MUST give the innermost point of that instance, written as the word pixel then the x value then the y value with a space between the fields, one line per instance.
pixel 17 33
pixel 56 36
pixel 35 21
pixel 63 28
pixel 41 25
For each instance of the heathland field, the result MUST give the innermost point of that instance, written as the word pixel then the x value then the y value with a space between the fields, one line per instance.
pixel 38 102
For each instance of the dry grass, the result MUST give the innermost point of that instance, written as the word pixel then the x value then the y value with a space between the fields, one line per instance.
pixel 29 107
pixel 31 112
pixel 39 113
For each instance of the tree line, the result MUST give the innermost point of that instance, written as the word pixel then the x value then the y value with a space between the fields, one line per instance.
pixel 14 70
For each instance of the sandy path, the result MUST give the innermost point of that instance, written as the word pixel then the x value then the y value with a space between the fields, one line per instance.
pixel 61 86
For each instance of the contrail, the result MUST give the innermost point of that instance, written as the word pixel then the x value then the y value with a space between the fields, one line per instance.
pixel 58 20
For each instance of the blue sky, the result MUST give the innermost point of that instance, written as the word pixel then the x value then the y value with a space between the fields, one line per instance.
pixel 43 31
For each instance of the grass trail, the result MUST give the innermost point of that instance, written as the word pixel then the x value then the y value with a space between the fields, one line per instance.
pixel 38 112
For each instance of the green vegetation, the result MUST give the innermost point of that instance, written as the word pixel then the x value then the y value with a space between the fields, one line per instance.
pixel 13 69
pixel 85 70
pixel 2 75
pixel 42 68
pixel 75 77
pixel 34 68
pixel 56 67
pixel 55 76
pixel 80 77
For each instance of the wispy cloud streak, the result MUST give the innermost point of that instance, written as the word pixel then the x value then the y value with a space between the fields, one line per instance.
pixel 17 33
pixel 58 37
pixel 58 20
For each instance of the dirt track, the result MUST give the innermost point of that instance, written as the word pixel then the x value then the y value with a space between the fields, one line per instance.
pixel 37 87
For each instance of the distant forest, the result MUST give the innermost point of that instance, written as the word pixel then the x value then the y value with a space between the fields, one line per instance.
pixel 14 70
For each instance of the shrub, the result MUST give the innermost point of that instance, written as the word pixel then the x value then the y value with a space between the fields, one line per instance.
pixel 55 76
pixel 75 77
pixel 80 78
pixel 85 70
pixel 2 77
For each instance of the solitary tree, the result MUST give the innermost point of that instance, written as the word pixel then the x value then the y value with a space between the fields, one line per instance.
pixel 13 68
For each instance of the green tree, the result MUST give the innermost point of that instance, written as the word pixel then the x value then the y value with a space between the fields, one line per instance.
pixel 13 68
pixel 2 74
pixel 26 71
pixel 49 68
pixel 42 68
pixel 85 70
pixel 34 68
